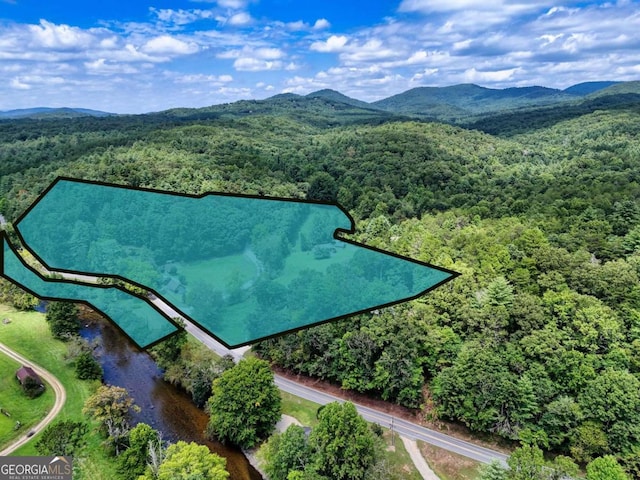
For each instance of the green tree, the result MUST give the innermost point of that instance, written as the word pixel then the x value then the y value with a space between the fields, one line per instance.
pixel 605 468
pixel 560 418
pixel 62 438
pixel 111 407
pixel 168 351
pixel 613 400
pixel 32 388
pixel 245 405
pixel 322 186
pixel 342 444
pixel 526 463
pixel 87 367
pixel 286 452
pixel 493 471
pixel 133 461
pixel 189 461
pixel 63 319
pixel 588 441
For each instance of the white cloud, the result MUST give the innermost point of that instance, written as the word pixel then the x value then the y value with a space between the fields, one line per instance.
pixel 202 78
pixel 548 39
pixel 263 53
pixel 181 17
pixel 59 37
pixel 334 43
pixel 420 76
pixel 102 67
pixel 268 53
pixel 430 6
pixel 472 75
pixel 237 4
pixel 239 19
pixel 321 24
pixel 17 84
pixel 371 50
pixel 250 64
pixel 166 44
pixel 296 26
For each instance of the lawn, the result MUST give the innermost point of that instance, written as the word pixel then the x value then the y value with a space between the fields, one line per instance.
pixel 399 460
pixel 302 410
pixel 29 335
pixel 28 411
pixel 448 465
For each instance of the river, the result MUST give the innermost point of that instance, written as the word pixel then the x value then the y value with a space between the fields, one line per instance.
pixel 163 406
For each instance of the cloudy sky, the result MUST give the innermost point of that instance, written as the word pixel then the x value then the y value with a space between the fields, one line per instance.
pixel 139 56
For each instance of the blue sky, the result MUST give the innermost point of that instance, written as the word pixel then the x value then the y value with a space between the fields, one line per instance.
pixel 140 56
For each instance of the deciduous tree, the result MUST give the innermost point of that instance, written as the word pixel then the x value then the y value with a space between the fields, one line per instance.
pixel 245 405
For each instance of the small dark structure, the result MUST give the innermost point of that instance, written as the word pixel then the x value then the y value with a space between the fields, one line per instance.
pixel 30 381
pixel 24 372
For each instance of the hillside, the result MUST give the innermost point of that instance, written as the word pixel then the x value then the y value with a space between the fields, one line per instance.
pixel 459 101
pixel 335 96
pixel 586 88
pixel 618 97
pixel 321 109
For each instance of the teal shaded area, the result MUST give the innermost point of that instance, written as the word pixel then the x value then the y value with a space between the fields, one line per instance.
pixel 138 319
pixel 242 268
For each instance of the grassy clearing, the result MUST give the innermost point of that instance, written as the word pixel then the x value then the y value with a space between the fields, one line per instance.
pixel 448 465
pixel 302 410
pixel 402 466
pixel 29 335
pixel 28 411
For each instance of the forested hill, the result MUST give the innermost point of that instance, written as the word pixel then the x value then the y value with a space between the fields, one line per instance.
pixel 539 338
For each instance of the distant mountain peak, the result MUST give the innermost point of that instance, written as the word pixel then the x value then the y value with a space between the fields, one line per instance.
pixel 284 96
pixel 335 96
pixel 587 88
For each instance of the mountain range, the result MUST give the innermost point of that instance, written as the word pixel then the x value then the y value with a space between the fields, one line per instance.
pixel 465 104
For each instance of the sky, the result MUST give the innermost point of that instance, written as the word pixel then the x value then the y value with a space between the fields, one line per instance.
pixel 139 56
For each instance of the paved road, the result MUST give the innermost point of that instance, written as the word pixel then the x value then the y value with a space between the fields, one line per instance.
pixel 58 389
pixel 402 427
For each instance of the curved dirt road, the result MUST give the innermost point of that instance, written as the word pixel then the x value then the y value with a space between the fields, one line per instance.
pixel 58 389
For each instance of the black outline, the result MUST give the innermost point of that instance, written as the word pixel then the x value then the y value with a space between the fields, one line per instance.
pixel 452 273
pixel 4 238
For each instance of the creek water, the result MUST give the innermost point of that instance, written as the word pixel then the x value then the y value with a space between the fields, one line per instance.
pixel 163 406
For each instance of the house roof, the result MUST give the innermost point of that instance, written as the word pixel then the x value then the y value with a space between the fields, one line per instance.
pixel 24 372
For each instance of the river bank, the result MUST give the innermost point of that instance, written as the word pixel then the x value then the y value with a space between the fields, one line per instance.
pixel 163 406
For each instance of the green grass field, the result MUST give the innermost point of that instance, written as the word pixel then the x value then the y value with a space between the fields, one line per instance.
pixel 28 411
pixel 302 410
pixel 29 335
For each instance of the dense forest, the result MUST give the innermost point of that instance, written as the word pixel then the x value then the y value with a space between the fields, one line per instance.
pixel 539 210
